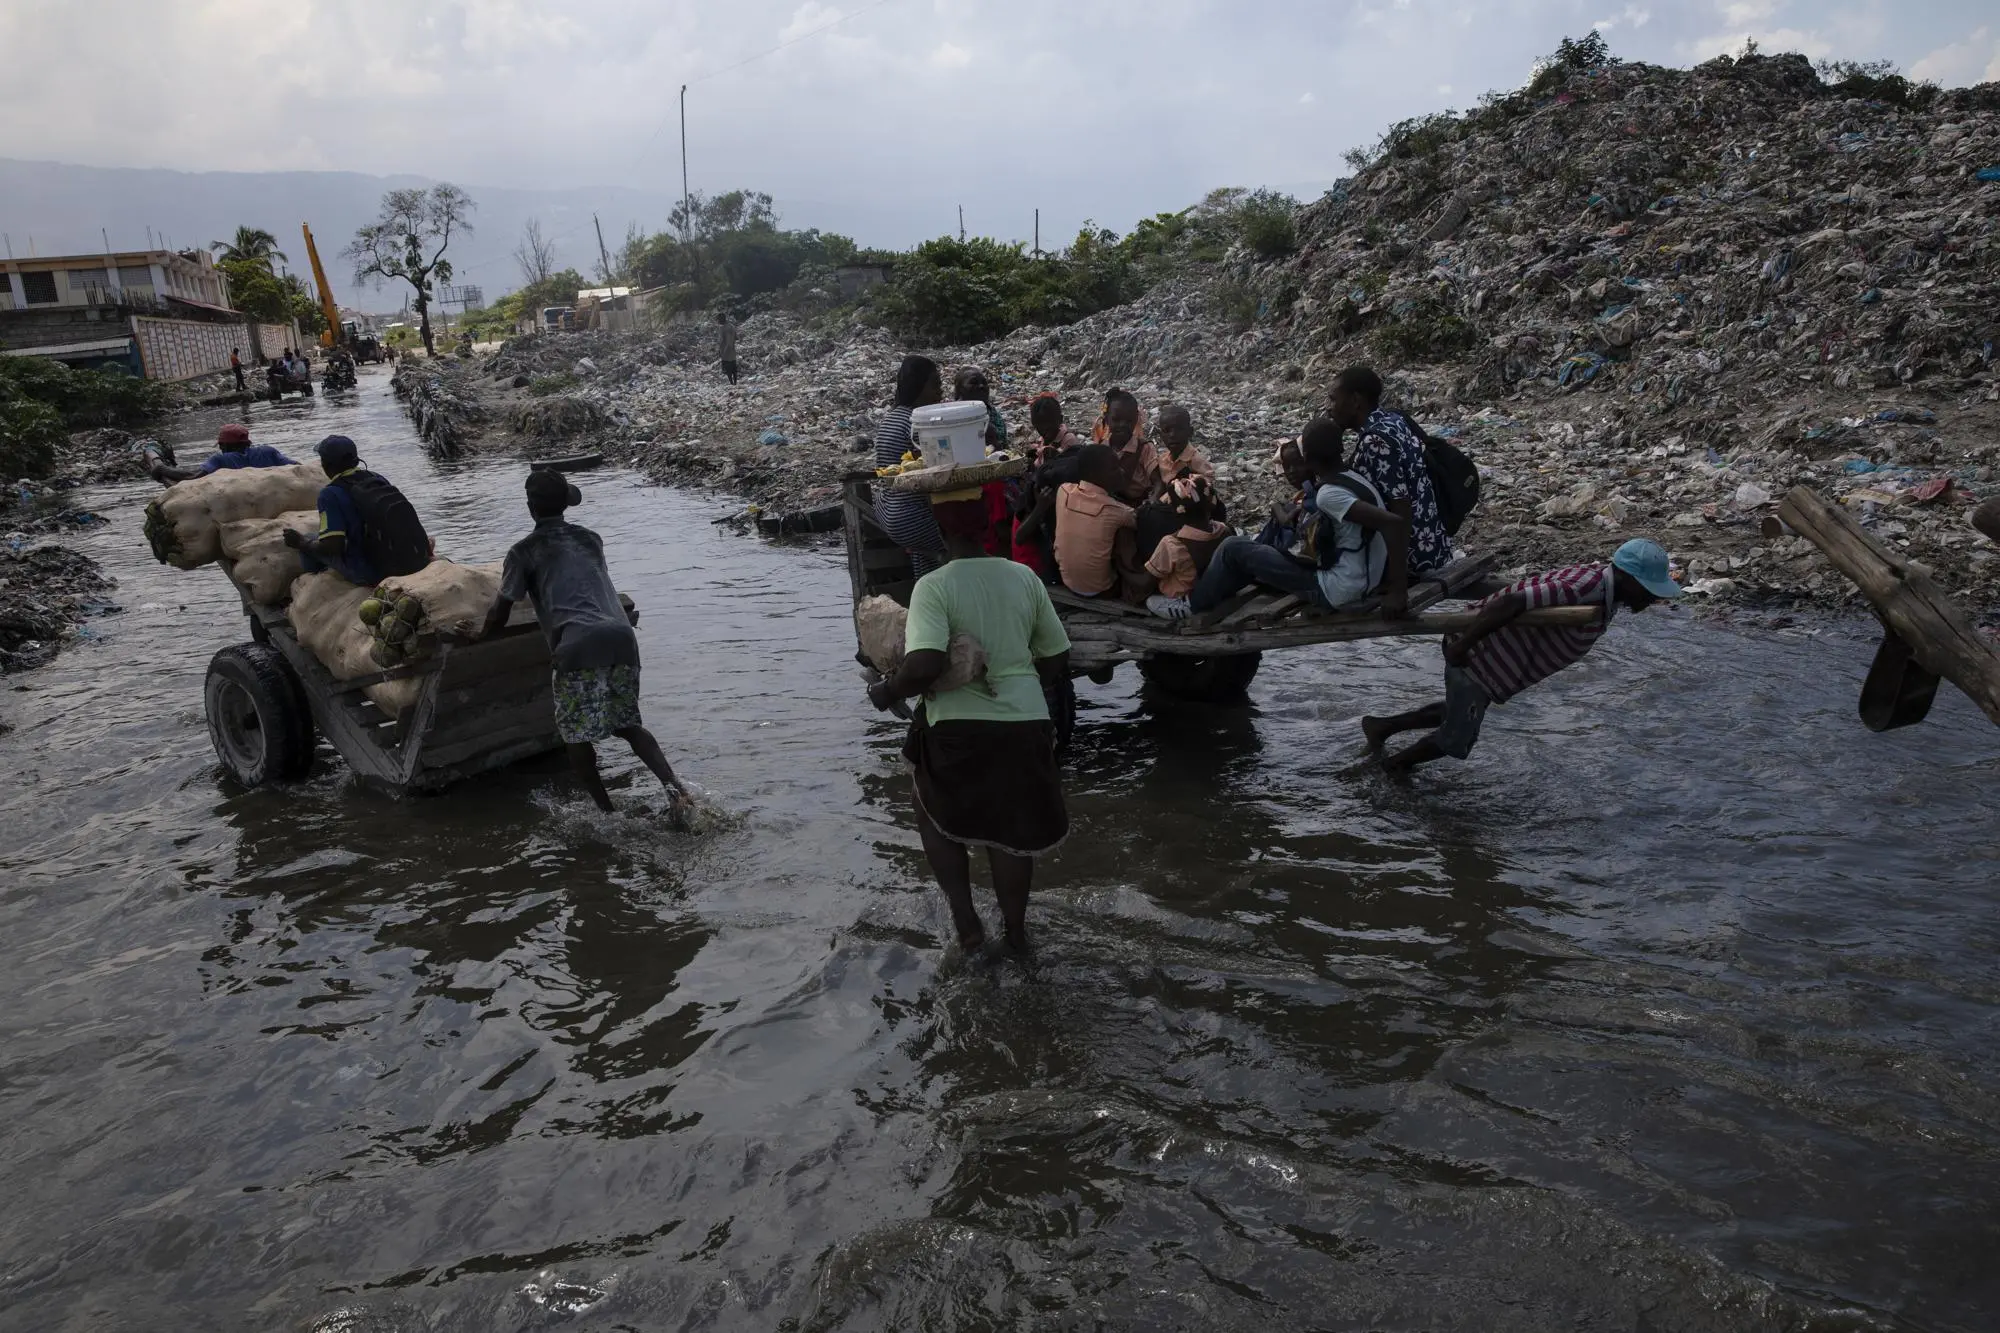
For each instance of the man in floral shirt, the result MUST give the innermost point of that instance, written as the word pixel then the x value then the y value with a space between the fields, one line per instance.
pixel 1391 458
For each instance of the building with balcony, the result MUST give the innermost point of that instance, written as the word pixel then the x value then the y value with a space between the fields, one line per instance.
pixel 163 314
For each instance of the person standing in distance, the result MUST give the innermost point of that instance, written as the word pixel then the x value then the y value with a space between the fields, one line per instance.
pixel 726 337
pixel 560 567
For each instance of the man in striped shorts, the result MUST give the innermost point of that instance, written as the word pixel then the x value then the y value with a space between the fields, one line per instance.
pixel 1495 659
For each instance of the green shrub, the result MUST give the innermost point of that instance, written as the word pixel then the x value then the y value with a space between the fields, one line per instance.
pixel 543 385
pixel 953 291
pixel 1571 56
pixel 42 400
pixel 1877 81
pixel 1425 331
pixel 30 433
pixel 1264 220
pixel 1235 303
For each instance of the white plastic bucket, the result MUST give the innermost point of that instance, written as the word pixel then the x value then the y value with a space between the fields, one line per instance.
pixel 950 434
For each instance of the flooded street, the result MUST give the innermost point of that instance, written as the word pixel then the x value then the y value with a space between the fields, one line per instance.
pixel 1673 1009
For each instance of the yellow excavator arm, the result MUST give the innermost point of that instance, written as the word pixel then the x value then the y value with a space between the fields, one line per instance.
pixel 331 334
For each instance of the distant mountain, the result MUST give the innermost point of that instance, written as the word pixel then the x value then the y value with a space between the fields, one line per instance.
pixel 61 209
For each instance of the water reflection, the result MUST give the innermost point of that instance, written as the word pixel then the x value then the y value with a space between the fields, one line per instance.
pixel 1670 1016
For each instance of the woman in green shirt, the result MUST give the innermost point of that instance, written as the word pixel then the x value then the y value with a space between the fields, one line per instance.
pixel 982 757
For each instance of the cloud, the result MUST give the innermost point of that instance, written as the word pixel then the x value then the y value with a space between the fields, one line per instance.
pixel 1633 16
pixel 1743 13
pixel 1976 59
pixel 1771 41
pixel 838 122
pixel 807 18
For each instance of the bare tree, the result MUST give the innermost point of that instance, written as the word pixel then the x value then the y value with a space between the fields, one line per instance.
pixel 408 243
pixel 536 254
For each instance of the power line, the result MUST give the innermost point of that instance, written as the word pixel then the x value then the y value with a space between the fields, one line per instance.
pixel 824 27
pixel 770 51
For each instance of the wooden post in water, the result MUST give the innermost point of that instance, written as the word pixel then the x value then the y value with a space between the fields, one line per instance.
pixel 1940 636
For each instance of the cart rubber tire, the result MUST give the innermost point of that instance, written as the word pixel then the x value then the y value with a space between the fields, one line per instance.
pixel 306 389
pixel 258 719
pixel 1204 680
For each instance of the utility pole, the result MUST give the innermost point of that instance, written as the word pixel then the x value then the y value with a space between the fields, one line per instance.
pixel 603 256
pixel 961 222
pixel 1038 233
pixel 687 222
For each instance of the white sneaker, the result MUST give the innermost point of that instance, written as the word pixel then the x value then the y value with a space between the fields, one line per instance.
pixel 1168 608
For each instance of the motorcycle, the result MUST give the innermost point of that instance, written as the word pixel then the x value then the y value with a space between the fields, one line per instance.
pixel 279 383
pixel 339 375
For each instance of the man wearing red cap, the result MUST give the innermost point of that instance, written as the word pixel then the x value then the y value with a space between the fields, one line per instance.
pixel 233 442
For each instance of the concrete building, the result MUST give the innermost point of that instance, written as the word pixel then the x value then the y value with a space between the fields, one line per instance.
pixel 162 314
pixel 135 277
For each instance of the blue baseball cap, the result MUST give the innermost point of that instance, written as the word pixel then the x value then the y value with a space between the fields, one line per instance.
pixel 338 450
pixel 1647 562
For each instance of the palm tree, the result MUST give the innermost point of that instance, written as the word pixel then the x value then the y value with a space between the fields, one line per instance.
pixel 251 243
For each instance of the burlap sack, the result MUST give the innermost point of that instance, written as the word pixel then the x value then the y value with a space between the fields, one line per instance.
pixel 881 625
pixel 183 525
pixel 255 554
pixel 455 598
pixel 442 598
pixel 325 614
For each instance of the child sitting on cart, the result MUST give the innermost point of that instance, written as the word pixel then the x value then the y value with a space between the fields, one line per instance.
pixel 1054 462
pixel 1352 546
pixel 1096 546
pixel 1183 555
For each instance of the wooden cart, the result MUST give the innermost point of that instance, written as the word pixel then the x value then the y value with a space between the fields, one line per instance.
pixel 483 704
pixel 1209 658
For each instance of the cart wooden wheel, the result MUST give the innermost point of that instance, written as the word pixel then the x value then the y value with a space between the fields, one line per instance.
pixel 1207 680
pixel 258 720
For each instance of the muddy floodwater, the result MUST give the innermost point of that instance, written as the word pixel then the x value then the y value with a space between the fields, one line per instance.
pixel 1674 1009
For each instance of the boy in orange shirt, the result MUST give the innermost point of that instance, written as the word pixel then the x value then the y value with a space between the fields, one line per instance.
pixel 1182 556
pixel 1096 546
pixel 1175 454
pixel 1138 462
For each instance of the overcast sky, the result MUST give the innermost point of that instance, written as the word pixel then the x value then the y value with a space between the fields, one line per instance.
pixel 879 125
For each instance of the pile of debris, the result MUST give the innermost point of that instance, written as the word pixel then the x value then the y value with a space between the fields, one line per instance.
pixel 45 594
pixel 1650 301
pixel 1646 301
pixel 105 454
pixel 445 414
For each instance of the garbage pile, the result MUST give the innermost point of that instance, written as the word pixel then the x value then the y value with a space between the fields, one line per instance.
pixel 446 415
pixel 46 592
pixel 1647 302
pixel 105 454
pixel 1654 300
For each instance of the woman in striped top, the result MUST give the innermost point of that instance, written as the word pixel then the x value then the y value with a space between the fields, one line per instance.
pixel 906 515
pixel 1495 659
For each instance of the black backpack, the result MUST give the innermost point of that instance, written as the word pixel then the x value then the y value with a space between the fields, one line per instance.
pixel 1454 476
pixel 392 536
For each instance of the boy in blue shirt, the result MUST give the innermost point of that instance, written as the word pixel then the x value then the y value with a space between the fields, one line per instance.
pixel 367 529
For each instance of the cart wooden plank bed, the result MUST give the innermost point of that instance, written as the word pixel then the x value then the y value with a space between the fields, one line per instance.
pixel 483 704
pixel 1208 657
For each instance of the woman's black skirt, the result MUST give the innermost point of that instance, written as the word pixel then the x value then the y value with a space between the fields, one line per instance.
pixel 990 784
